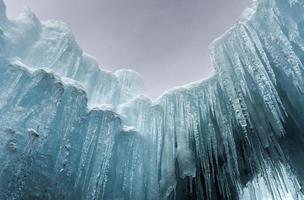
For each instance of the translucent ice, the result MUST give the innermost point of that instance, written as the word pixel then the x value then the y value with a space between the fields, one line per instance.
pixel 71 130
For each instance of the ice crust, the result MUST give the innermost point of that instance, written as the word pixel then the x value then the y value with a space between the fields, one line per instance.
pixel 72 130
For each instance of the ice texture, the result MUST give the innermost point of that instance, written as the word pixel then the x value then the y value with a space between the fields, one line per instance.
pixel 72 130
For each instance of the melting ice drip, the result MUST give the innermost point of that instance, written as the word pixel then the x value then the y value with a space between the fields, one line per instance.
pixel 71 130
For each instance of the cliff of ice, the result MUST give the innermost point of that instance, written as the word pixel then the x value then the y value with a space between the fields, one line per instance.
pixel 71 130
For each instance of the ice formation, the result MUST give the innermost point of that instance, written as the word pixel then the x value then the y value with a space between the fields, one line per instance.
pixel 71 130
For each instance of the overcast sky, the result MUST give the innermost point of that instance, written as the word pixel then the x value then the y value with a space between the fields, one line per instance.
pixel 166 41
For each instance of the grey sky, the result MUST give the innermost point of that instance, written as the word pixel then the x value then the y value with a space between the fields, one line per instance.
pixel 166 41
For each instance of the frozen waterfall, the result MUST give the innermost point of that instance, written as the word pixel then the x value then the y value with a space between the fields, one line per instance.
pixel 72 130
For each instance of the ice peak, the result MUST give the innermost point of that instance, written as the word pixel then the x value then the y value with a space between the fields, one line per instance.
pixel 130 82
pixel 29 15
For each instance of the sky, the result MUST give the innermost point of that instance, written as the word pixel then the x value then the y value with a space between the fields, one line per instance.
pixel 166 41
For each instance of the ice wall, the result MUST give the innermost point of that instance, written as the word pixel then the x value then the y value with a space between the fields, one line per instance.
pixel 53 147
pixel 235 135
pixel 51 45
pixel 2 11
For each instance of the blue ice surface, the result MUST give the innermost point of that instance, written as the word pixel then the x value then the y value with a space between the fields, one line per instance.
pixel 72 130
